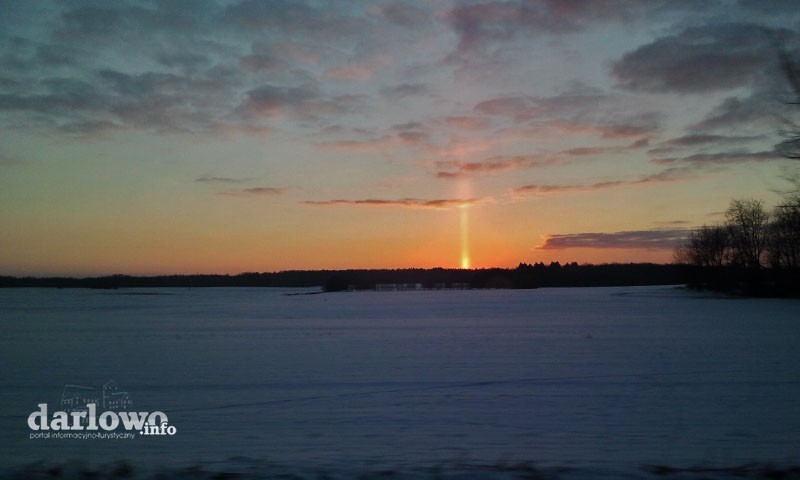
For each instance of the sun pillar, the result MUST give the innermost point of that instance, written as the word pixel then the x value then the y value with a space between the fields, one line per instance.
pixel 464 212
pixel 465 193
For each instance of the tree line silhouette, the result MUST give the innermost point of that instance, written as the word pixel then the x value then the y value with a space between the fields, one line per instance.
pixel 523 276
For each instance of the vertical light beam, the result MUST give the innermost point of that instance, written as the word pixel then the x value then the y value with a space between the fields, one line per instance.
pixel 465 262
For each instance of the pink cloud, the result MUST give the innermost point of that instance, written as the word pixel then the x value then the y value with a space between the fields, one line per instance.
pixel 404 202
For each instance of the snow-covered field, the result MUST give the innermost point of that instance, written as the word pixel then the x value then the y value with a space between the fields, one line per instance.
pixel 560 383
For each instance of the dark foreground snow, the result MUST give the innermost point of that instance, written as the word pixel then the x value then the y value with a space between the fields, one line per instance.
pixel 646 382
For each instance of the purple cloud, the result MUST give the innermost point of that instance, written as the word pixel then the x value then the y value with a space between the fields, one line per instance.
pixel 649 239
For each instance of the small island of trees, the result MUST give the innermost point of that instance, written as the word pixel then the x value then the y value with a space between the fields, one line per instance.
pixel 753 252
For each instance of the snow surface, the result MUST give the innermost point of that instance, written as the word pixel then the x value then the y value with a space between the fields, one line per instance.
pixel 561 383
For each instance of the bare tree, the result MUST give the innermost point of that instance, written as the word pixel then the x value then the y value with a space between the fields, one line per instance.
pixel 706 247
pixel 715 243
pixel 784 248
pixel 747 223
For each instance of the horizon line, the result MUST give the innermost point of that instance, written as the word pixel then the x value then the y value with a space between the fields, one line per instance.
pixel 312 270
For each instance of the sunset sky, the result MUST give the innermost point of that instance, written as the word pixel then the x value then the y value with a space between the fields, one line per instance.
pixel 224 136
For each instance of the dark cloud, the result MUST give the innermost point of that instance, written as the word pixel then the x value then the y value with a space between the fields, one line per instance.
pixel 755 110
pixel 405 202
pixel 293 18
pixel 172 102
pixel 629 128
pixel 81 67
pixel 562 188
pixel 479 25
pixel 160 83
pixel 650 239
pixel 278 14
pixel 58 55
pixel 701 141
pixel 109 20
pixel 778 8
pixel 165 102
pixel 455 169
pixel 264 191
pixel 213 179
pixel 255 192
pixel 263 63
pixel 9 84
pixel 184 60
pixel 58 95
pixel 108 99
pixel 256 66
pixel 408 126
pixel 672 174
pixel 699 59
pixel 579 110
pixel 720 158
pixel 672 223
pixel 304 102
pixel 92 21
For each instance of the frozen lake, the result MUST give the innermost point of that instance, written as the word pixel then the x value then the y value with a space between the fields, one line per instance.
pixel 600 381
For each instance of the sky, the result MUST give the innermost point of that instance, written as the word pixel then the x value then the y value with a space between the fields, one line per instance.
pixel 228 136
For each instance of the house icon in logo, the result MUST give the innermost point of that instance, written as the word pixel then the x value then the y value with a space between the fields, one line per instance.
pixel 114 399
pixel 76 398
